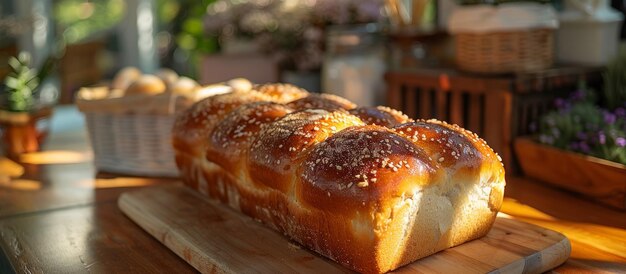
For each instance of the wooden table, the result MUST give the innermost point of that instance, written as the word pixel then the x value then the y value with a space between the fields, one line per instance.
pixel 62 217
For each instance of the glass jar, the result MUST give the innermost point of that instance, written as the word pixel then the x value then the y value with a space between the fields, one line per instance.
pixel 355 63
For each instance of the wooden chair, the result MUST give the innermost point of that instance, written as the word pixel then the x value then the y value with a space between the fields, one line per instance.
pixel 497 108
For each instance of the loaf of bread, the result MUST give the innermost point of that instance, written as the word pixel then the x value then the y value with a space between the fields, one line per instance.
pixel 366 187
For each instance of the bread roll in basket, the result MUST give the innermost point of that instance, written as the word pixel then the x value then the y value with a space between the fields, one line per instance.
pixel 130 121
pixel 366 187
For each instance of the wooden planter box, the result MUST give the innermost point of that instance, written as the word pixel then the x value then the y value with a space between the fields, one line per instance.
pixel 602 180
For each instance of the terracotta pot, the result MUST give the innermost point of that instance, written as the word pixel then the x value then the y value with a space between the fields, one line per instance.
pixel 602 180
pixel 23 132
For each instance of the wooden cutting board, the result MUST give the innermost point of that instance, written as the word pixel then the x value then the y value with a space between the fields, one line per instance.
pixel 214 238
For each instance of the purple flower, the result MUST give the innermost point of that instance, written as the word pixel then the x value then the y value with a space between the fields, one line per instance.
pixel 609 118
pixel 584 147
pixel 581 135
pixel 560 103
pixel 620 112
pixel 620 141
pixel 601 138
pixel 578 95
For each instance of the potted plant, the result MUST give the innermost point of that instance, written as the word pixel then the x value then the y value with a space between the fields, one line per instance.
pixel 23 117
pixel 581 146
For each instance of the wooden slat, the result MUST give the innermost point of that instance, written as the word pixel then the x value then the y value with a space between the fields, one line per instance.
pixel 523 118
pixel 456 108
pixel 497 122
pixel 440 101
pixel 475 108
pixel 411 101
pixel 394 93
pixel 425 109
pixel 507 129
pixel 492 121
pixel 195 228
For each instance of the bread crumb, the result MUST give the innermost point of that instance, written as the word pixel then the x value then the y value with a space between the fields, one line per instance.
pixel 293 246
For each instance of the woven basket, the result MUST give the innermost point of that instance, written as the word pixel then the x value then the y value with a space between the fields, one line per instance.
pixel 505 52
pixel 135 144
pixel 132 134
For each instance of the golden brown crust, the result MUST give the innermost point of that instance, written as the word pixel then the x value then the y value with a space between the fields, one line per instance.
pixel 450 145
pixel 125 78
pixel 146 84
pixel 370 197
pixel 382 116
pixel 322 101
pixel 279 147
pixel 231 138
pixel 362 167
pixel 193 126
pixel 281 93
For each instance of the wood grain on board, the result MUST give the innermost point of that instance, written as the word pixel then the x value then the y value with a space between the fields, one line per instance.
pixel 212 237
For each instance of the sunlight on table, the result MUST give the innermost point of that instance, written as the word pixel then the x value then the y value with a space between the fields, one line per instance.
pixel 56 157
pixel 514 208
pixel 20 184
pixel 578 233
pixel 9 168
pixel 117 182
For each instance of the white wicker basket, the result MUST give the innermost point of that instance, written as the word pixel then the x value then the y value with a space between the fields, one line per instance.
pixel 135 144
pixel 132 134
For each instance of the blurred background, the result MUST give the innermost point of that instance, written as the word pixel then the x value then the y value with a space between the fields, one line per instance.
pixel 90 40
pixel 445 59
pixel 264 40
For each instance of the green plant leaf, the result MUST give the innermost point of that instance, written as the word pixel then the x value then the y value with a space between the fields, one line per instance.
pixel 21 83
pixel 14 63
pixel 11 82
pixel 24 57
